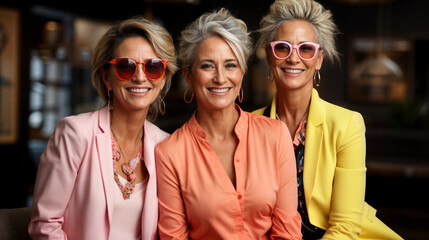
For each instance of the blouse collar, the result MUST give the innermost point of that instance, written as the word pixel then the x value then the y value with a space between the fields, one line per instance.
pixel 239 128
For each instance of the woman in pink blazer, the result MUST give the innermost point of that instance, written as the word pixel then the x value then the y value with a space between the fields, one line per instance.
pixel 96 178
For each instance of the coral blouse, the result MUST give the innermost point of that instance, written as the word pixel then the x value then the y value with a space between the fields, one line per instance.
pixel 197 200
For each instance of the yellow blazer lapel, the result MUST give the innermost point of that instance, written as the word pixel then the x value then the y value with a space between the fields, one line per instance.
pixel 313 143
pixel 273 111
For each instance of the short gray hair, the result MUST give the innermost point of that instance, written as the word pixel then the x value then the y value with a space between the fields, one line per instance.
pixel 320 19
pixel 218 23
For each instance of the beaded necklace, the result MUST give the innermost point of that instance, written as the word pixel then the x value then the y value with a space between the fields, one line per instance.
pixel 127 168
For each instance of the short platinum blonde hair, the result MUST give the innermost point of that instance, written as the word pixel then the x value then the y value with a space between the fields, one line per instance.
pixel 320 19
pixel 218 23
pixel 158 37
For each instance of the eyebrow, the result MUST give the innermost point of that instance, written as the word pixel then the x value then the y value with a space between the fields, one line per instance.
pixel 212 61
pixel 296 44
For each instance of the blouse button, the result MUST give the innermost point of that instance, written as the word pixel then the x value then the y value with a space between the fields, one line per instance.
pixel 237 160
pixel 239 196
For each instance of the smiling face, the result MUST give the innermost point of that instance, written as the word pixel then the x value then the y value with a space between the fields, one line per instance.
pixel 139 92
pixel 215 76
pixel 293 72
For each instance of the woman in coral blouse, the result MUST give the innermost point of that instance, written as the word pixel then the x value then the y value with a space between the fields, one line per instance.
pixel 226 173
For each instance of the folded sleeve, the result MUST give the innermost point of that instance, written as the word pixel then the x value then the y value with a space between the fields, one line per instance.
pixel 286 219
pixel 172 216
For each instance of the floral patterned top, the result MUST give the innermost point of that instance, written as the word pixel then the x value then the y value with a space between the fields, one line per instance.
pixel 308 230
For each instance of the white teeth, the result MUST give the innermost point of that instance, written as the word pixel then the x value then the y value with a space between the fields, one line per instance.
pixel 219 90
pixel 138 90
pixel 293 71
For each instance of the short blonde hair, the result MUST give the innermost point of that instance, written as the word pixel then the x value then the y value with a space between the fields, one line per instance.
pixel 157 36
pixel 218 23
pixel 320 19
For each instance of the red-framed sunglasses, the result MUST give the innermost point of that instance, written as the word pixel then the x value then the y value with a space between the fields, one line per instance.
pixel 126 68
pixel 306 50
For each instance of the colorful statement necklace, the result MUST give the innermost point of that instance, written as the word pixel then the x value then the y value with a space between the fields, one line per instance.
pixel 127 168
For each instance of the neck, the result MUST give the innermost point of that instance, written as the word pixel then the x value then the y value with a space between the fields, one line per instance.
pixel 292 107
pixel 128 126
pixel 218 124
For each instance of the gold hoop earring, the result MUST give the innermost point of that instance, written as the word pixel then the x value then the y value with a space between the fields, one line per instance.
pixel 316 78
pixel 241 95
pixel 192 96
pixel 162 107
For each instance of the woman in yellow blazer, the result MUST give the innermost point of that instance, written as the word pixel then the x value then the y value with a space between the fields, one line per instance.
pixel 329 141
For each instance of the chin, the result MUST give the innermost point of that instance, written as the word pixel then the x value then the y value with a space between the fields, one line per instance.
pixel 291 85
pixel 223 105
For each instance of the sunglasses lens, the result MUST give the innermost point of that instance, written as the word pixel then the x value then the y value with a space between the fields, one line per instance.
pixel 282 50
pixel 307 51
pixel 154 69
pixel 125 68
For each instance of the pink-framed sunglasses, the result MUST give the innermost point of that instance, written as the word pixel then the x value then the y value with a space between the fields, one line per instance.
pixel 306 50
pixel 126 68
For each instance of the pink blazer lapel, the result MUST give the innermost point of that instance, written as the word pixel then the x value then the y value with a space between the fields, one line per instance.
pixel 152 136
pixel 105 158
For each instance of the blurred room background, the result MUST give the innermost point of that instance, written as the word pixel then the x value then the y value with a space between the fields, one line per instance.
pixel 45 75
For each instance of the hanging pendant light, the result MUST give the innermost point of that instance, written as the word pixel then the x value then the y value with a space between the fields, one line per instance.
pixel 379 65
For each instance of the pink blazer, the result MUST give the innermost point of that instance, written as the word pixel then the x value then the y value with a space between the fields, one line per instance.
pixel 73 195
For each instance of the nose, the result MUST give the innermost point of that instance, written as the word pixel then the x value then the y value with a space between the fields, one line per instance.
pixel 294 57
pixel 140 75
pixel 220 76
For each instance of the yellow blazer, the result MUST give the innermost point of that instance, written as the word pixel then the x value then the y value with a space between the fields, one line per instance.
pixel 334 173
